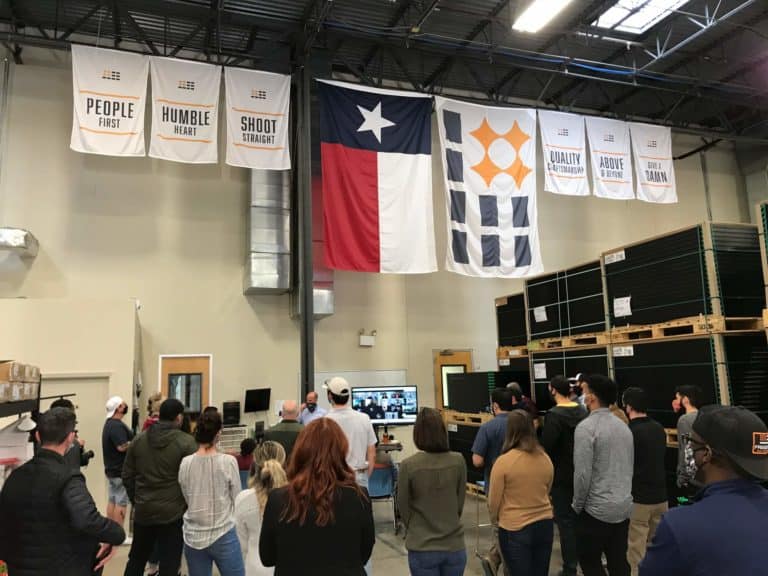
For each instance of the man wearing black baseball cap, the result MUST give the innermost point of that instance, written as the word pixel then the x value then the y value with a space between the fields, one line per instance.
pixel 723 533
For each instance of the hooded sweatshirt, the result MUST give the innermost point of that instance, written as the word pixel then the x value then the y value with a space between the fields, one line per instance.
pixel 557 439
pixel 151 473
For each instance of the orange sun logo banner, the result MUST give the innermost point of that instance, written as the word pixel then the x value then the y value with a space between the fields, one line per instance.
pixel 489 165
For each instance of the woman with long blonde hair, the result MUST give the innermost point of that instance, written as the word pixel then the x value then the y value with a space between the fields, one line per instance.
pixel 267 473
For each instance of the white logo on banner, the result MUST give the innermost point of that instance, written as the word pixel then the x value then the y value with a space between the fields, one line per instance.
pixel 611 163
pixel 489 164
pixel 185 106
pixel 655 169
pixel 565 153
pixel 257 119
pixel 110 92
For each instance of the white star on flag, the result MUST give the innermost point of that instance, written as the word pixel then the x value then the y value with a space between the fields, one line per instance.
pixel 373 121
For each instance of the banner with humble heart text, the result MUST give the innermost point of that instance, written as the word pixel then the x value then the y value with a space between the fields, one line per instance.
pixel 258 105
pixel 185 107
pixel 110 92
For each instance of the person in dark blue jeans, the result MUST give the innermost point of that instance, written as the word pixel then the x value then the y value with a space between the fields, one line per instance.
pixel 430 496
pixel 519 499
pixel 528 551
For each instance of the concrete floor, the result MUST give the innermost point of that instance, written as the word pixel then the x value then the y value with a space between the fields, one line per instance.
pixel 389 554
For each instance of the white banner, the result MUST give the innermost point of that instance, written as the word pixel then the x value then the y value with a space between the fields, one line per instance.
pixel 110 93
pixel 565 153
pixel 652 147
pixel 611 162
pixel 489 164
pixel 185 107
pixel 258 104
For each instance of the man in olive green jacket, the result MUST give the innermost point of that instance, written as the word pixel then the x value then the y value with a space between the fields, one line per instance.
pixel 150 476
pixel 288 429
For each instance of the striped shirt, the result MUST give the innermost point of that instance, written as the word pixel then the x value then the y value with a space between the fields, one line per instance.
pixel 210 485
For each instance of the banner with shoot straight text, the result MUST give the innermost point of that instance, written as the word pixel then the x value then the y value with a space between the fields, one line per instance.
pixel 489 164
pixel 185 106
pixel 110 93
pixel 258 105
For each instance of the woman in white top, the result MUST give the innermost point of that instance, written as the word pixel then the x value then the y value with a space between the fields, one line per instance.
pixel 267 473
pixel 210 482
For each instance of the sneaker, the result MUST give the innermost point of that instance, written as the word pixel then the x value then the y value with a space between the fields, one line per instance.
pixel 485 562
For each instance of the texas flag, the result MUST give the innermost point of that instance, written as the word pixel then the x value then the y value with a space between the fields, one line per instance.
pixel 376 152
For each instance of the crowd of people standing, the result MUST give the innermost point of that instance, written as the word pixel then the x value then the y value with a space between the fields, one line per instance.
pixel 600 480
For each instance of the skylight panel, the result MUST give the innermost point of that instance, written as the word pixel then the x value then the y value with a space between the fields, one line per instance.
pixel 637 16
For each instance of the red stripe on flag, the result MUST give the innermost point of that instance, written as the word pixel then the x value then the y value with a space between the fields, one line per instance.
pixel 351 208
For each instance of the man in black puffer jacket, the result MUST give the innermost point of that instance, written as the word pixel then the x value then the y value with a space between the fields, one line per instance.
pixel 49 524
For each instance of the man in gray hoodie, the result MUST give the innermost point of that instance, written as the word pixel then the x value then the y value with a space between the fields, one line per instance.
pixel 603 462
pixel 150 476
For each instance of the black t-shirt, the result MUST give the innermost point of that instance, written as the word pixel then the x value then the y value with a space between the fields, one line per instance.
pixel 649 483
pixel 115 434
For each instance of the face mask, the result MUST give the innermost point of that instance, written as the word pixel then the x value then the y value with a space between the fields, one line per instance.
pixel 311 406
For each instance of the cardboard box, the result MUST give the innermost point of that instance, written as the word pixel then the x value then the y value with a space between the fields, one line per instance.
pixel 31 373
pixel 11 371
pixel 17 391
pixel 30 391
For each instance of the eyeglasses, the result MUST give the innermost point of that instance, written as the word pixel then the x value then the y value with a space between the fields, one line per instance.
pixel 695 444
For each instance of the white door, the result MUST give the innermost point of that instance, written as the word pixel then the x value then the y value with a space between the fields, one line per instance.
pixel 91 397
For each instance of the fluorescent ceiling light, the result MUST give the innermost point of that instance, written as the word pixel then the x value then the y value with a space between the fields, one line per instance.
pixel 538 15
pixel 637 16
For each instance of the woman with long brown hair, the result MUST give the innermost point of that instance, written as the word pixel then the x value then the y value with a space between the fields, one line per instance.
pixel 322 509
pixel 519 499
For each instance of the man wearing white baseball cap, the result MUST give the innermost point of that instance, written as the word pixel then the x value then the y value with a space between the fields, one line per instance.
pixel 115 439
pixel 356 426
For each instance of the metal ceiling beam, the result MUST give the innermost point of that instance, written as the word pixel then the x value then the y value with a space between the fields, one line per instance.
pixel 479 56
pixel 446 64
pixel 710 23
pixel 716 44
pixel 116 28
pixel 711 46
pixel 80 21
pixel 312 31
pixel 416 28
pixel 595 8
pixel 400 12
pixel 141 35
pixel 186 40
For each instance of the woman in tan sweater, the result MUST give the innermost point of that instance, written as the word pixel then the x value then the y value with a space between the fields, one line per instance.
pixel 519 499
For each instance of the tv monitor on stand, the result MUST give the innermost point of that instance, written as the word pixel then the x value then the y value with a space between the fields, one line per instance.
pixel 387 405
pixel 257 400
